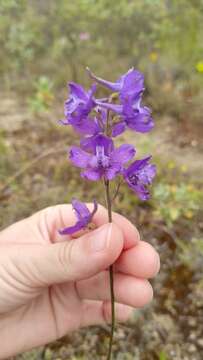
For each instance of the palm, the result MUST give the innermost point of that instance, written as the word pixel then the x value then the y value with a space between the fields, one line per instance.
pixel 57 310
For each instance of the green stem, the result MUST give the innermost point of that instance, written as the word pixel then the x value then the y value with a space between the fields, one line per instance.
pixel 111 279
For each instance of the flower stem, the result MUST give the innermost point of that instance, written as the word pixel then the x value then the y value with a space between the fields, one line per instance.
pixel 111 279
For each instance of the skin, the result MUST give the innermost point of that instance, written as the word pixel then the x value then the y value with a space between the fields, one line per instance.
pixel 52 284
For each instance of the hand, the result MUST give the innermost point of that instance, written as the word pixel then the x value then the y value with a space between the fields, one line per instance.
pixel 50 284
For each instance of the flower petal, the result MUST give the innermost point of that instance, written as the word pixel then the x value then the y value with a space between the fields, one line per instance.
pixel 114 107
pixel 92 90
pixel 133 83
pixel 141 191
pixel 92 174
pixel 147 174
pixel 87 143
pixel 112 171
pixel 100 140
pixel 79 157
pixel 73 229
pixel 123 154
pixel 105 142
pixel 110 85
pixel 137 165
pixel 141 123
pixel 118 128
pixel 80 208
pixel 77 90
pixel 85 126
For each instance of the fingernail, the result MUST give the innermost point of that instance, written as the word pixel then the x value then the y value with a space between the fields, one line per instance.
pixel 100 238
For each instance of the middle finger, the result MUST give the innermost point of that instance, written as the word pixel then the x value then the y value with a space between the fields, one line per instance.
pixel 128 289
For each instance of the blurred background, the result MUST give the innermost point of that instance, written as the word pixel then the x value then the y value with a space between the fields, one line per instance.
pixel 44 44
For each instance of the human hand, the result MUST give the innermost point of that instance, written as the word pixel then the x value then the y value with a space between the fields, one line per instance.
pixel 50 284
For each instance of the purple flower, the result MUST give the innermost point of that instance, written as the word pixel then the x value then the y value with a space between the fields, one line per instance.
pixel 133 115
pixel 129 84
pixel 84 217
pixel 79 104
pixel 77 109
pixel 101 160
pixel 139 175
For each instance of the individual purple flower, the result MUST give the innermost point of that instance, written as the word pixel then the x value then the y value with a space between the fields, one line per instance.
pixel 77 109
pixel 129 84
pixel 84 217
pixel 132 114
pixel 79 104
pixel 100 158
pixel 139 175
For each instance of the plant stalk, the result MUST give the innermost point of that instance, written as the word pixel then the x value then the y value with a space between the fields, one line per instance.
pixel 111 278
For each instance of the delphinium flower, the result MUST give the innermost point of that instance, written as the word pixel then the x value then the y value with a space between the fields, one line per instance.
pixel 80 102
pixel 98 121
pixel 128 84
pixel 84 217
pixel 139 175
pixel 103 160
pixel 132 114
pixel 77 109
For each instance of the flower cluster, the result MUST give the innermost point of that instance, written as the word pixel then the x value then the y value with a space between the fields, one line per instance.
pixel 99 121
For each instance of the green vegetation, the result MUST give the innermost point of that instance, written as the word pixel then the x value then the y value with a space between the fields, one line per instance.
pixel 171 202
pixel 43 96
pixel 163 356
pixel 60 39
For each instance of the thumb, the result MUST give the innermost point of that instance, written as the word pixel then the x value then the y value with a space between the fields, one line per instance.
pixel 68 261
